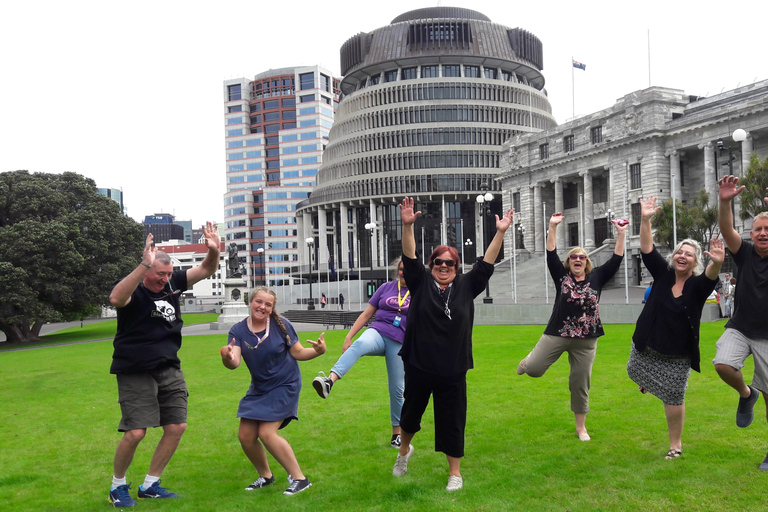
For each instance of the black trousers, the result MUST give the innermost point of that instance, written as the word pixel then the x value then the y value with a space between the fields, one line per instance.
pixel 449 403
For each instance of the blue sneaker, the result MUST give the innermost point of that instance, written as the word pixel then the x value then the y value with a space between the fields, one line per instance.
pixel 120 497
pixel 155 491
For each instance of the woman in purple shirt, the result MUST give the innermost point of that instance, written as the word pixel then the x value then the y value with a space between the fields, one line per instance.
pixel 383 338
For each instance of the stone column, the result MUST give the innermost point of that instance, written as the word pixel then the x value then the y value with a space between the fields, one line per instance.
pixel 710 181
pixel 674 175
pixel 375 237
pixel 559 208
pixel 538 234
pixel 299 238
pixel 322 240
pixel 307 234
pixel 589 211
pixel 746 152
pixel 344 234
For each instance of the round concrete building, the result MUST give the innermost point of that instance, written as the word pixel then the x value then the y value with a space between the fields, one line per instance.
pixel 427 102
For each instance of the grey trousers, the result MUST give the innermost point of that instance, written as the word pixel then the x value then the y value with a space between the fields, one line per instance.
pixel 581 355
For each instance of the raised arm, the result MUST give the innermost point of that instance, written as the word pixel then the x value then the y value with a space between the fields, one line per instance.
pixel 318 348
pixel 729 188
pixel 230 355
pixel 717 254
pixel 121 293
pixel 556 219
pixel 211 262
pixel 502 225
pixel 622 233
pixel 408 217
pixel 366 315
pixel 648 210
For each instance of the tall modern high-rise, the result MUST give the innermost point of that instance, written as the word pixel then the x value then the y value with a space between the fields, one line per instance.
pixel 277 126
pixel 427 102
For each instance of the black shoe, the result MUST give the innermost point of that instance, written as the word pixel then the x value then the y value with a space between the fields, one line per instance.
pixel 746 410
pixel 261 482
pixel 297 486
pixel 764 465
pixel 322 385
pixel 395 442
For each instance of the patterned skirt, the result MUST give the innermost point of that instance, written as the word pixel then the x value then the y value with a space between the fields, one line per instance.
pixel 664 376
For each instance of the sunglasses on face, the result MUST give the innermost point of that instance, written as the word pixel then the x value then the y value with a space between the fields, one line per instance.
pixel 581 257
pixel 448 263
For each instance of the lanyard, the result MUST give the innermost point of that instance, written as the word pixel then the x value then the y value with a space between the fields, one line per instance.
pixel 258 339
pixel 400 301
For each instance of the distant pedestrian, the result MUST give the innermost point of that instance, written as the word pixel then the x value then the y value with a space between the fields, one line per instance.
pixel 323 301
pixel 341 301
pixel 647 292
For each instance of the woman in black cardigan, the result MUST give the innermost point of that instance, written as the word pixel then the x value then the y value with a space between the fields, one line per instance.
pixel 665 345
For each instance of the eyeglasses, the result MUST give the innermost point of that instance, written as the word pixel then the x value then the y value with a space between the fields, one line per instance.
pixel 448 263
pixel 578 257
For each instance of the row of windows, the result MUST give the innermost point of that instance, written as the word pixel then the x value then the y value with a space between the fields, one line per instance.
pixel 418 137
pixel 442 114
pixel 399 185
pixel 448 70
pixel 595 137
pixel 448 90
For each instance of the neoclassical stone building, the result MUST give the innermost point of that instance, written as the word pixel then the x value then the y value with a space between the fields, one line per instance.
pixel 427 102
pixel 651 142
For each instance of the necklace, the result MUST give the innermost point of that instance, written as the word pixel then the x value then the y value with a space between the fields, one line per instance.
pixel 259 339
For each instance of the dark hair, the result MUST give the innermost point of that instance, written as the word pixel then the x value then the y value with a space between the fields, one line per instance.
pixel 440 249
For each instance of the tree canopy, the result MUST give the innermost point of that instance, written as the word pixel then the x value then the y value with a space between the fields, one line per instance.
pixel 755 180
pixel 62 247
pixel 695 220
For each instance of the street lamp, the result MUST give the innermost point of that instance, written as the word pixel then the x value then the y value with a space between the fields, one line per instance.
pixel 484 200
pixel 371 227
pixel 467 244
pixel 260 250
pixel 310 242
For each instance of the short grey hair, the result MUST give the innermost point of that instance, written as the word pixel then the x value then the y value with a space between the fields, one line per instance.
pixel 393 266
pixel 161 257
pixel 698 268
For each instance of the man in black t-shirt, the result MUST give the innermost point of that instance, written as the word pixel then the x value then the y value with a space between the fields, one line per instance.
pixel 746 333
pixel 151 387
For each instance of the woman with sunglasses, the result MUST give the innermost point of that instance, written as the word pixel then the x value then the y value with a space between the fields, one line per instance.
pixel 270 347
pixel 384 337
pixel 437 347
pixel 665 344
pixel 575 322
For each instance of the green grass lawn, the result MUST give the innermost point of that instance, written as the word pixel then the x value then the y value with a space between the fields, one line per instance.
pixel 60 414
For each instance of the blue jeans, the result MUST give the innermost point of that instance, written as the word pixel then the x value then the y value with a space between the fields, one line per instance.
pixel 371 343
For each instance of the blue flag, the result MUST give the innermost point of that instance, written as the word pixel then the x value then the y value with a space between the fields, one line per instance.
pixel 579 65
pixel 330 265
pixel 351 265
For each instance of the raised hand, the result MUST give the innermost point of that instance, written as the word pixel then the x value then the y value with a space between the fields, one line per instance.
pixel 228 351
pixel 729 187
pixel 556 219
pixel 648 207
pixel 319 345
pixel 716 250
pixel 407 214
pixel 212 238
pixel 621 228
pixel 148 258
pixel 766 198
pixel 502 224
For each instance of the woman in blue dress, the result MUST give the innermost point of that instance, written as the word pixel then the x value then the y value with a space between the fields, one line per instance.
pixel 270 348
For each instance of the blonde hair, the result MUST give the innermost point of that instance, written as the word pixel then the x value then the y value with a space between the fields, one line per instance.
pixel 761 215
pixel 698 268
pixel 274 315
pixel 567 260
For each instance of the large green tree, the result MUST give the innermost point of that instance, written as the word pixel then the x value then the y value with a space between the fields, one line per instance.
pixel 62 247
pixel 755 180
pixel 695 219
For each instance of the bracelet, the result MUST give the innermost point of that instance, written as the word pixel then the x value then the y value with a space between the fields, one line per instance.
pixel 146 265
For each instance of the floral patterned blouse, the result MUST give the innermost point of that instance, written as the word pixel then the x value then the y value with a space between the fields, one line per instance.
pixel 576 313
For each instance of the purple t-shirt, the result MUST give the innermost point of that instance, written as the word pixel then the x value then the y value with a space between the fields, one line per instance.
pixel 385 300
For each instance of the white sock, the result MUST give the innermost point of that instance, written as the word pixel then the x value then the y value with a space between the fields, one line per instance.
pixel 148 481
pixel 117 482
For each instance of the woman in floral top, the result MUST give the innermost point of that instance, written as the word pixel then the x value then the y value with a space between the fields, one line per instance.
pixel 575 322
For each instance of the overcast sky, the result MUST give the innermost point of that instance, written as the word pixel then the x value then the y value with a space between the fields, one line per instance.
pixel 130 93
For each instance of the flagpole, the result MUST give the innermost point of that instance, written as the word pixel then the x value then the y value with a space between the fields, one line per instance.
pixel 573 90
pixel 649 57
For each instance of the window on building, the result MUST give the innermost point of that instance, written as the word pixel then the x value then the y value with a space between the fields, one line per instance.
pixel 599 189
pixel 430 71
pixel 573 233
pixel 255 107
pixel 307 81
pixel 544 151
pixel 410 73
pixel 234 92
pixel 596 134
pixel 491 73
pixel 568 143
pixel 307 98
pixel 472 71
pixel 235 108
pixel 272 116
pixel 451 70
pixel 374 80
pixel 325 82
pixel 289 102
pixel 390 76
pixel 635 209
pixel 256 119
pixel 634 176
pixel 268 105
pixel 570 196
pixel 272 128
pixel 516 202
pixel 682 173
